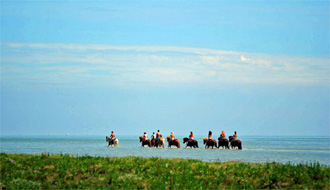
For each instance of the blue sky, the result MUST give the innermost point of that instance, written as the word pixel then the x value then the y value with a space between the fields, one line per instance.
pixel 82 67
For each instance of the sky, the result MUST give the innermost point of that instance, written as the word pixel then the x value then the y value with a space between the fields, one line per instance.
pixel 90 67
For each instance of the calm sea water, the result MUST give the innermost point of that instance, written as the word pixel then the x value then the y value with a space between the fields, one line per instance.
pixel 255 149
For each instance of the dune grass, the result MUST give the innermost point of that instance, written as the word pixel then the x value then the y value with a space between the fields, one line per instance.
pixel 23 171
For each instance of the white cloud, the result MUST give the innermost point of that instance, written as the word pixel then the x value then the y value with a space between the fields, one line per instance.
pixel 100 65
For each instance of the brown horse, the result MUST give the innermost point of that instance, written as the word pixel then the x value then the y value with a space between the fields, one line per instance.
pixel 145 142
pixel 160 142
pixel 113 142
pixel 209 143
pixel 190 143
pixel 174 142
pixel 224 143
pixel 235 143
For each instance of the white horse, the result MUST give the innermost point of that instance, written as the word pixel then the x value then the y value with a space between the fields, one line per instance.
pixel 113 142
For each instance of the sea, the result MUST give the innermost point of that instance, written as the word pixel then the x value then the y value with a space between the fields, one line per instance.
pixel 255 149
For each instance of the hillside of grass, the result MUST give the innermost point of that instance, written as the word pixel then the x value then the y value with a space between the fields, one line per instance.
pixel 23 171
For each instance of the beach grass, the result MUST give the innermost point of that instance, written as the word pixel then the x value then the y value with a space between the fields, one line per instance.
pixel 24 171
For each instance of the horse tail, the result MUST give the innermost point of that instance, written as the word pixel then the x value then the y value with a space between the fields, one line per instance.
pixel 178 145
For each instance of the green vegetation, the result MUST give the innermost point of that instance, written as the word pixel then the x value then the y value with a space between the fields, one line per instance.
pixel 23 171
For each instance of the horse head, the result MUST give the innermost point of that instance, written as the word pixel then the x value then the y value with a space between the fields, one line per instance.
pixel 141 138
pixel 168 138
pixel 205 140
pixel 231 138
pixel 185 140
pixel 107 139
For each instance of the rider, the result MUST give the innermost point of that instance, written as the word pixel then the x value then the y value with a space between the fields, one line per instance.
pixel 112 137
pixel 235 136
pixel 222 135
pixel 158 135
pixel 210 135
pixel 153 136
pixel 191 136
pixel 172 136
pixel 145 136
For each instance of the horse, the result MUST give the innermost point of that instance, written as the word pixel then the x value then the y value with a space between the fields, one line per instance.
pixel 209 143
pixel 235 143
pixel 174 142
pixel 160 142
pixel 145 142
pixel 113 142
pixel 224 143
pixel 190 143
pixel 153 142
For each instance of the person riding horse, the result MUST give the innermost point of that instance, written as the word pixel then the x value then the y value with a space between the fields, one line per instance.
pixel 158 135
pixel 153 136
pixel 172 141
pixel 172 136
pixel 210 135
pixel 160 141
pixel 223 135
pixel 223 142
pixel 234 142
pixel 145 136
pixel 190 142
pixel 153 139
pixel 209 141
pixel 235 136
pixel 112 137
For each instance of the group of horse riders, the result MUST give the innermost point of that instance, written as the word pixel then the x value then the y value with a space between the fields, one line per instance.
pixel 156 139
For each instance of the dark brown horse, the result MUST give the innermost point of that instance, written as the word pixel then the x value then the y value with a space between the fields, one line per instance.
pixel 224 143
pixel 145 142
pixel 174 142
pixel 190 143
pixel 209 143
pixel 235 143
pixel 153 142
pixel 160 142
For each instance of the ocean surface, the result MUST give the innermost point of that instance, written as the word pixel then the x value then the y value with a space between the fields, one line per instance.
pixel 255 149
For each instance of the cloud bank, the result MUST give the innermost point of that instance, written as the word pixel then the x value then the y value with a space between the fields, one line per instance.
pixel 107 65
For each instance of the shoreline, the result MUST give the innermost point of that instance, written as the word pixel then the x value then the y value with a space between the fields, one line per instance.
pixel 56 171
